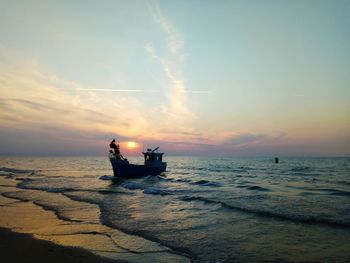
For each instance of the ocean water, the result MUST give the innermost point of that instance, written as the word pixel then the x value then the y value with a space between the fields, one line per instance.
pixel 207 209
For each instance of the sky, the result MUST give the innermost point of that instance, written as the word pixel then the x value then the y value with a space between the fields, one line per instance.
pixel 199 77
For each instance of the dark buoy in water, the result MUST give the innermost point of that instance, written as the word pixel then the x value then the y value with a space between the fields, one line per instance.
pixel 276 160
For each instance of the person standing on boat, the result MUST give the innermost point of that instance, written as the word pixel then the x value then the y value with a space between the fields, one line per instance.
pixel 116 149
pixel 113 145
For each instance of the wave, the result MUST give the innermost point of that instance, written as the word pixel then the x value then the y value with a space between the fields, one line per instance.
pixel 253 187
pixel 133 186
pixel 266 213
pixel 219 169
pixel 68 190
pixel 156 191
pixel 25 181
pixel 139 186
pixel 244 168
pixel 107 192
pixel 60 214
pixel 300 169
pixel 332 191
pixel 20 178
pixel 178 250
pixel 15 195
pixel 146 189
pixel 257 188
pixel 163 178
pixel 343 182
pixel 207 183
pixel 16 171
pixel 194 168
pixel 184 180
pixel 91 199
pixel 313 190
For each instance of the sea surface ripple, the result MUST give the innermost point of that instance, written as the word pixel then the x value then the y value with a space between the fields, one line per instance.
pixel 209 209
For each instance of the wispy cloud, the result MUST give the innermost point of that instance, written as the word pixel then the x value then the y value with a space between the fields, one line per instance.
pixel 235 140
pixel 180 114
pixel 175 41
pixel 34 100
pixel 245 138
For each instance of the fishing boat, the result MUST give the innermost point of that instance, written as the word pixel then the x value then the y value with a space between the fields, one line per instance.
pixel 153 165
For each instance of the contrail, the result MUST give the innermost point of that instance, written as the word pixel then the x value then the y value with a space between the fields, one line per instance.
pixel 146 91
pixel 199 91
pixel 119 90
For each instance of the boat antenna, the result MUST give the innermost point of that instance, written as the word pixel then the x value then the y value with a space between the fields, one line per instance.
pixel 155 149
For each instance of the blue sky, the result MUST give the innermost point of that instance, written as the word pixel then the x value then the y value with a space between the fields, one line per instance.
pixel 196 77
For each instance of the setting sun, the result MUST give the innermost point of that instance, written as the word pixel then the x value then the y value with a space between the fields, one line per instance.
pixel 131 145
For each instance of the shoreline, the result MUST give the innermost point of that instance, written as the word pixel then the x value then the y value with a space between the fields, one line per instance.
pixel 19 247
pixel 31 232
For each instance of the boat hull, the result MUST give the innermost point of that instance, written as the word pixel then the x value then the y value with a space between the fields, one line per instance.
pixel 126 170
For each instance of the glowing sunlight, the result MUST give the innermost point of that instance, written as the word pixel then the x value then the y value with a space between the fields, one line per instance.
pixel 131 145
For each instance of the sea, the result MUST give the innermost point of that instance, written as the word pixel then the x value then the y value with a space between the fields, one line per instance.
pixel 206 209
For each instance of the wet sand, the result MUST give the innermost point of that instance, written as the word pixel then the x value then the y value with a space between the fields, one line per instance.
pixel 32 233
pixel 23 226
pixel 16 247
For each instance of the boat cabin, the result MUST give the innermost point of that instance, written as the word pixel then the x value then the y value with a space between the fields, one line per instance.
pixel 152 157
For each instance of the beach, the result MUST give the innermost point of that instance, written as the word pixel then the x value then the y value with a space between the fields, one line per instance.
pixel 201 210
pixel 25 217
pixel 33 232
pixel 16 247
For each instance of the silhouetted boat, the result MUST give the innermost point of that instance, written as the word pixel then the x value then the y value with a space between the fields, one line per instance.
pixel 153 165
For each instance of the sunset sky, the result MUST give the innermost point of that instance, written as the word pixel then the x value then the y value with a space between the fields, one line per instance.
pixel 224 78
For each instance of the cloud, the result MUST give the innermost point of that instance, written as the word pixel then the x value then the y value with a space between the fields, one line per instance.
pixel 175 41
pixel 36 104
pixel 179 113
pixel 245 138
pixel 36 100
pixel 239 140
pixel 53 141
pixel 50 112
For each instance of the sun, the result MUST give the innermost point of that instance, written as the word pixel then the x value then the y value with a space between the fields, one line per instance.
pixel 131 145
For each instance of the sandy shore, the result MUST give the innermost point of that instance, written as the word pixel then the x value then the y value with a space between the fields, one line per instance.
pixel 32 233
pixel 16 247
